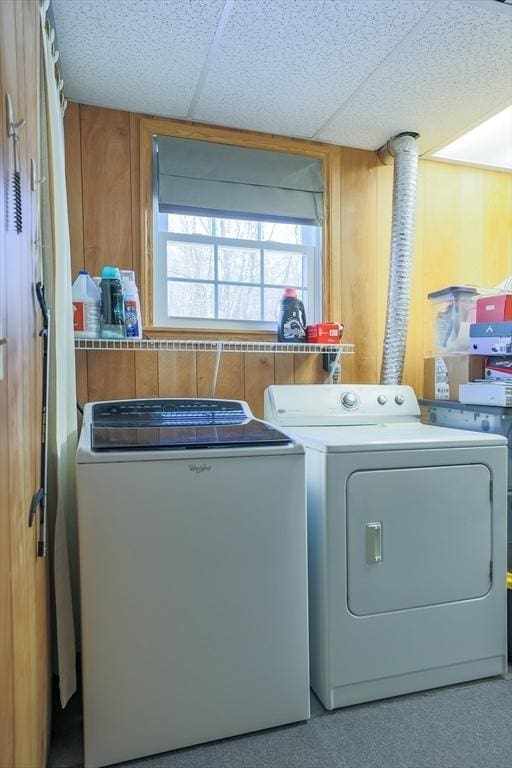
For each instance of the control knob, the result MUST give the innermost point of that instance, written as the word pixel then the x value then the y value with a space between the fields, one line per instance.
pixel 382 399
pixel 399 399
pixel 349 400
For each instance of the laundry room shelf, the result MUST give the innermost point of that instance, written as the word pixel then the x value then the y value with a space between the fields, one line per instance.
pixel 198 345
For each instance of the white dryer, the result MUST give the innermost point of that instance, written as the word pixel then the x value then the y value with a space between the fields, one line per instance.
pixel 193 573
pixel 406 539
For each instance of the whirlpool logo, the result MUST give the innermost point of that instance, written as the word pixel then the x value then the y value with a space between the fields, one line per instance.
pixel 199 468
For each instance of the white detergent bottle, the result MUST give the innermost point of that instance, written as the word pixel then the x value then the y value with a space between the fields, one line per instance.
pixel 86 307
pixel 132 314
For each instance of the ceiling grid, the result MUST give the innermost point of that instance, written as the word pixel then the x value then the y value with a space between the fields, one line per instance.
pixel 342 71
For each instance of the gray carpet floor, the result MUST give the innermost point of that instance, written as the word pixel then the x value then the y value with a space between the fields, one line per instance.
pixel 465 726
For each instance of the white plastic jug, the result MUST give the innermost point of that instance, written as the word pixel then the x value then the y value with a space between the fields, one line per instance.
pixel 86 307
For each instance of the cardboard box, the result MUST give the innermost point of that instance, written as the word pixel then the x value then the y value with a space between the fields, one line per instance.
pixel 442 375
pixel 498 369
pixel 487 393
pixel 494 309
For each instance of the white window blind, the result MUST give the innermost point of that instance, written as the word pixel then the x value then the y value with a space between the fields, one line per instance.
pixel 229 181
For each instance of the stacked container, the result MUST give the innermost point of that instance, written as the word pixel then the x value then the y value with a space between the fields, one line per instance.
pixel 453 312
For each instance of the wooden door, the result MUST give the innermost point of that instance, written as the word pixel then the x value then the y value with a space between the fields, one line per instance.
pixel 24 622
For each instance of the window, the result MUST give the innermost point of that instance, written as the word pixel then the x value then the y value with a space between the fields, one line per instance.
pixel 229 273
pixel 232 227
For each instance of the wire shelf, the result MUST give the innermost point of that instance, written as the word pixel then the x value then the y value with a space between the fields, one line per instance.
pixel 200 345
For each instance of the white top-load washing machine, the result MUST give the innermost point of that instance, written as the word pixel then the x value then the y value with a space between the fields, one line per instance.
pixel 406 540
pixel 193 572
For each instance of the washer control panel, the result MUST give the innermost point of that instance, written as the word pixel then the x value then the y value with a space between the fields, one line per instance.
pixel 339 404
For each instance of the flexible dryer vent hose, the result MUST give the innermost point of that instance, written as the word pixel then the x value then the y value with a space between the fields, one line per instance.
pixel 404 151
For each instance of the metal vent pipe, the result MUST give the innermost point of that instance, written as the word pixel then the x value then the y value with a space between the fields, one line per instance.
pixel 404 151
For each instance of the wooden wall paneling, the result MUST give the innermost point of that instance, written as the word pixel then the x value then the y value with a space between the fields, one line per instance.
pixel 74 186
pixel 177 374
pixel 308 369
pixel 37 574
pixel 27 384
pixel 22 566
pixel 107 200
pixel 145 136
pixel 135 193
pixel 7 49
pixel 441 233
pixel 82 389
pixel 259 374
pixel 284 368
pixel 332 277
pixel 230 379
pixel 470 256
pixel 29 20
pixel 359 261
pixel 6 639
pixel 146 374
pixel 111 375
pixel 24 714
pixel 497 245
pixel 10 255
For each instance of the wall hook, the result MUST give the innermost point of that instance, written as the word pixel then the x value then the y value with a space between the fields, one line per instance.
pixel 33 180
pixel 12 125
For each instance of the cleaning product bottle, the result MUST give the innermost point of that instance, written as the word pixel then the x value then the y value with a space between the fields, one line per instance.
pixel 86 307
pixel 112 304
pixel 292 318
pixel 132 315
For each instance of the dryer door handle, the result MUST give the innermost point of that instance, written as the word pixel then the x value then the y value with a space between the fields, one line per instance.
pixel 373 543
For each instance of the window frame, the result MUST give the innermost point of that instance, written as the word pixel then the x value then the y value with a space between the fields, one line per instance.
pixel 313 270
pixel 330 234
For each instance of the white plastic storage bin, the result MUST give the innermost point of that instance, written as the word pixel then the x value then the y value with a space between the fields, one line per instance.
pixel 453 311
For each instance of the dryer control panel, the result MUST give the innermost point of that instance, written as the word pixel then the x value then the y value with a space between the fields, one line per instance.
pixel 340 404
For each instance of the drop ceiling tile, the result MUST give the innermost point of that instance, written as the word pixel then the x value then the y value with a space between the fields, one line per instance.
pixel 451 73
pixel 143 56
pixel 284 66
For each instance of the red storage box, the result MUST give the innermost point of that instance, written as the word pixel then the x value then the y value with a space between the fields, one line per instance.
pixel 494 309
pixel 324 333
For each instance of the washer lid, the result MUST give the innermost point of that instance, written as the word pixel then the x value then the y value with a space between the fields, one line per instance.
pixel 180 423
pixel 384 437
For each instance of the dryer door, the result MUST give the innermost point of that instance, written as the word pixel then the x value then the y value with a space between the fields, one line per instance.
pixel 417 537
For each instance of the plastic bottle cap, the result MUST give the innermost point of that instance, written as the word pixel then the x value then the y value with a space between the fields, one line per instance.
pixel 83 272
pixel 110 273
pixel 290 293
